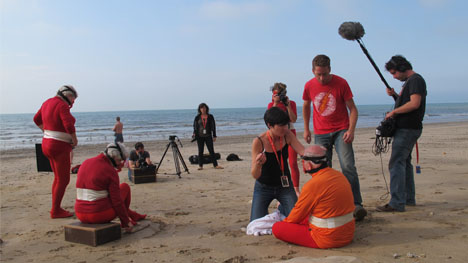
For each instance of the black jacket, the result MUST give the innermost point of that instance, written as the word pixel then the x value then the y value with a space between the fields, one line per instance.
pixel 210 126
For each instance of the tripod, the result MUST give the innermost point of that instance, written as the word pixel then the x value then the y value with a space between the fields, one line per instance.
pixel 176 154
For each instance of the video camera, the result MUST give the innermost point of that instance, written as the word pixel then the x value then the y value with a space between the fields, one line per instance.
pixel 172 139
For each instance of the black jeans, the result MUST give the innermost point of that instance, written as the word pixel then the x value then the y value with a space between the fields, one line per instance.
pixel 209 144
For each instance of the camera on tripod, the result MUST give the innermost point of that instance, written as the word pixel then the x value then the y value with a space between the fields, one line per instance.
pixel 175 153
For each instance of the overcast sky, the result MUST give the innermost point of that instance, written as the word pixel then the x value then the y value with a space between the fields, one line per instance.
pixel 149 55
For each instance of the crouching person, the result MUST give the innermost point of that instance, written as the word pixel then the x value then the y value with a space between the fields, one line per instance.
pixel 323 215
pixel 100 198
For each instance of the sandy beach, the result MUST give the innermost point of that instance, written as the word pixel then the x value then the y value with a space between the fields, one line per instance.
pixel 199 217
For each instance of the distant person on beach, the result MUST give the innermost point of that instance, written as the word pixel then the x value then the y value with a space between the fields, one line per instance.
pixel 280 100
pixel 270 166
pixel 331 97
pixel 323 215
pixel 118 129
pixel 100 197
pixel 138 158
pixel 204 131
pixel 410 106
pixel 57 123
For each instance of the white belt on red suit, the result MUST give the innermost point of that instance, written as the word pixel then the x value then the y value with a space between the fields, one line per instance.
pixel 331 222
pixel 90 195
pixel 59 136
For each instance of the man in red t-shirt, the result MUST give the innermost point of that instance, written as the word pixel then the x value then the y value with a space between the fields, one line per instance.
pixel 331 97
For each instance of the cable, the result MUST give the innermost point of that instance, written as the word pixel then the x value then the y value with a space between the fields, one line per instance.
pixel 381 145
pixel 384 196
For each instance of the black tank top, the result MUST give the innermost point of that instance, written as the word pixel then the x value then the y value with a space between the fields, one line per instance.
pixel 271 170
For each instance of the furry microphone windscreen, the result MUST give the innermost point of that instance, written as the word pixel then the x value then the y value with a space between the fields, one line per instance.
pixel 351 30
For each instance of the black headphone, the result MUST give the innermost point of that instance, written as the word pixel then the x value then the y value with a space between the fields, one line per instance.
pixel 67 88
pixel 112 159
pixel 315 159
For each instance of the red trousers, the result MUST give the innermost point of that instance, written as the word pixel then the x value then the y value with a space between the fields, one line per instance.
pixel 58 153
pixel 109 214
pixel 293 164
pixel 298 234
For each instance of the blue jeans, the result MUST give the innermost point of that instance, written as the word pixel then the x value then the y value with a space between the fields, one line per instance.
pixel 402 186
pixel 264 194
pixel 345 156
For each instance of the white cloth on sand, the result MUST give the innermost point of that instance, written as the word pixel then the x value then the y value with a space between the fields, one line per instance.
pixel 263 225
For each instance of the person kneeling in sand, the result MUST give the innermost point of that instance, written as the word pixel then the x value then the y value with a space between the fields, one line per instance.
pixel 100 197
pixel 323 215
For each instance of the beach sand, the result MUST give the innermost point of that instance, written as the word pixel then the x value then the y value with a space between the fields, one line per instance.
pixel 199 217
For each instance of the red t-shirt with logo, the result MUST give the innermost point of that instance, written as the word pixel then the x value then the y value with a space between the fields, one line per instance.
pixel 330 113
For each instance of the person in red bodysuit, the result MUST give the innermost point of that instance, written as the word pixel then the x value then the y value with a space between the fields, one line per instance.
pixel 100 197
pixel 57 123
pixel 323 215
pixel 290 107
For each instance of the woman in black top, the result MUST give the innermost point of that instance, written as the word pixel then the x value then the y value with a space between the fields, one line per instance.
pixel 270 165
pixel 204 131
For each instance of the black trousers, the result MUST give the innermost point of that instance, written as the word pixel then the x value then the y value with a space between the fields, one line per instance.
pixel 201 141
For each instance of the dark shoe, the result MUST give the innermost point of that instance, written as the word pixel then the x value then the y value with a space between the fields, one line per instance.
pixel 386 208
pixel 359 213
pixel 411 204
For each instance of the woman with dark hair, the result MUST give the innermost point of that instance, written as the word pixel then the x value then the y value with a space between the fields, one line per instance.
pixel 270 165
pixel 204 131
pixel 280 100
pixel 58 125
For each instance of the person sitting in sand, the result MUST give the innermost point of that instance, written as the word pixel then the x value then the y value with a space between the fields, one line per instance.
pixel 270 165
pixel 139 158
pixel 323 215
pixel 100 196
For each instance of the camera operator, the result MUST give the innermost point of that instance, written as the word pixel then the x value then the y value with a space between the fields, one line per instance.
pixel 280 100
pixel 139 158
pixel 410 105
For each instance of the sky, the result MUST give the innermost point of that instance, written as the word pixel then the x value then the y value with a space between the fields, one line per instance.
pixel 153 55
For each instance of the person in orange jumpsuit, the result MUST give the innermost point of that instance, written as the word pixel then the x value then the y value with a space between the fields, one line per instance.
pixel 58 125
pixel 323 215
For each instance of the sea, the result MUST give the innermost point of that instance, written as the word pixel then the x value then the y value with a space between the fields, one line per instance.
pixel 19 131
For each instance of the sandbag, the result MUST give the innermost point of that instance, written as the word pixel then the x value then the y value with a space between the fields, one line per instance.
pixel 206 158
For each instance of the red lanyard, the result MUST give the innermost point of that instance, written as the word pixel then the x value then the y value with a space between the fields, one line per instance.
pixel 280 159
pixel 204 121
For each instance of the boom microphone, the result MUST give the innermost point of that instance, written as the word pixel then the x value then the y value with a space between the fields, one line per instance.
pixel 355 31
pixel 351 30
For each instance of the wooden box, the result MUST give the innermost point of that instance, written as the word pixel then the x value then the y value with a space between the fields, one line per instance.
pixel 92 234
pixel 144 175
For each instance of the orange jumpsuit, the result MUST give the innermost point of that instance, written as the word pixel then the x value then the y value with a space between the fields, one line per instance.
pixel 327 195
